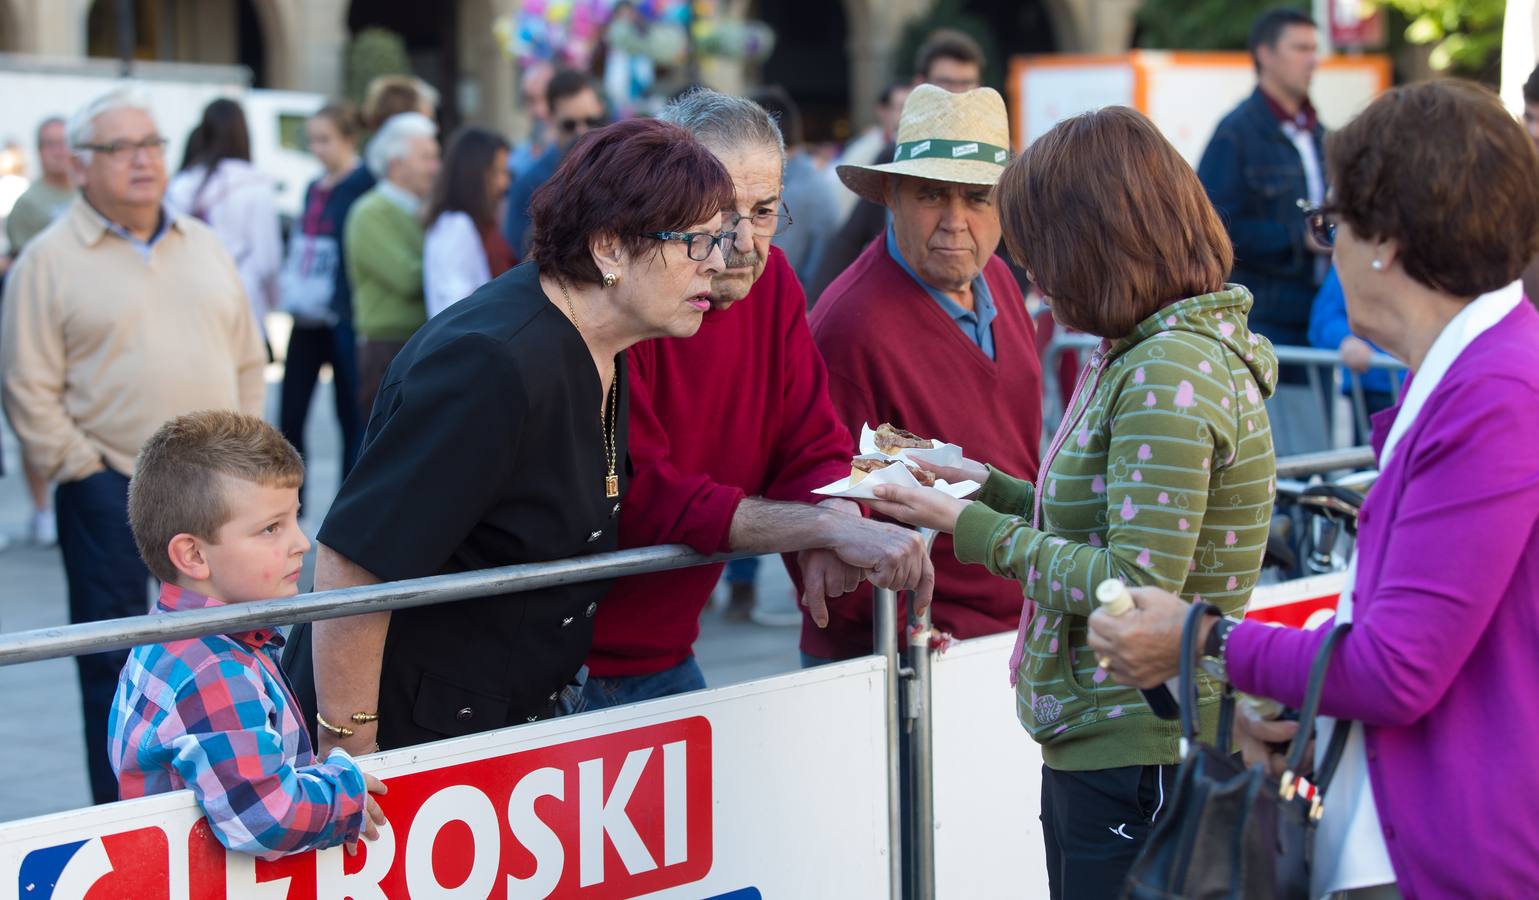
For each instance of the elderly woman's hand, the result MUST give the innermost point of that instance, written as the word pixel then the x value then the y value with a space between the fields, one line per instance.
pixel 1253 734
pixel 921 506
pixel 1142 647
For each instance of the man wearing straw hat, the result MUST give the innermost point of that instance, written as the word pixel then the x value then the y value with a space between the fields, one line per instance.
pixel 927 329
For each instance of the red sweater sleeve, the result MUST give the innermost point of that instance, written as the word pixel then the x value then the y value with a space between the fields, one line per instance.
pixel 666 506
pixel 814 447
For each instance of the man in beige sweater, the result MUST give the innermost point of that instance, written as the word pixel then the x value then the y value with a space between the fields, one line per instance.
pixel 118 317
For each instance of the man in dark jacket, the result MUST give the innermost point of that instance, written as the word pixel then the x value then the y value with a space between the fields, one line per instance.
pixel 1265 157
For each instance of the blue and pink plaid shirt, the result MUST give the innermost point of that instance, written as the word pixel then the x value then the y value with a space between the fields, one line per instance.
pixel 216 715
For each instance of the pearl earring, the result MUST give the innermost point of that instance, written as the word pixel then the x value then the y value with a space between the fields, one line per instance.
pixel 1378 265
pixel 611 279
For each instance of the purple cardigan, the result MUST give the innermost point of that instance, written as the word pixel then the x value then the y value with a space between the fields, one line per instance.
pixel 1442 663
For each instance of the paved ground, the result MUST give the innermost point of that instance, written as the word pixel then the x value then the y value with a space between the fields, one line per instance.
pixel 42 766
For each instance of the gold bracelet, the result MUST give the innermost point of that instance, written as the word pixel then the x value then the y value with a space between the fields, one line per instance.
pixel 363 718
pixel 340 731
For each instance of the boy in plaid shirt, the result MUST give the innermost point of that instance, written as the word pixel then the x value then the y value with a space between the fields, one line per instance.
pixel 214 505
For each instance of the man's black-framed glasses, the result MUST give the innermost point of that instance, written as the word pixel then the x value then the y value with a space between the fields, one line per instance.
pixel 699 244
pixel 766 222
pixel 150 146
pixel 1320 219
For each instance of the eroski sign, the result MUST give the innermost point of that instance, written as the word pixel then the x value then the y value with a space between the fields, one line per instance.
pixel 611 816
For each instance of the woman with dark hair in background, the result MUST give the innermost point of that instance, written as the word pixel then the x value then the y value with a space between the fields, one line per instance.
pixel 219 186
pixel 464 247
pixel 309 287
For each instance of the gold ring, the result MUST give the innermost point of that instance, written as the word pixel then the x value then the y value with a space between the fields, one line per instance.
pixel 1103 661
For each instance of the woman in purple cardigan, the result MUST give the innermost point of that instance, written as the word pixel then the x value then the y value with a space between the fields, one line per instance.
pixel 1432 226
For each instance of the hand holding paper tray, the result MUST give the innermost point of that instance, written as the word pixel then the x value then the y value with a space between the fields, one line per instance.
pixel 897 473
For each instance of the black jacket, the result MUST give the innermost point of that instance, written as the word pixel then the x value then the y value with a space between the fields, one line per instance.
pixel 485 450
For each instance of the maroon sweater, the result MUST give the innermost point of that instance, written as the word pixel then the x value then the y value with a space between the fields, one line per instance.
pixel 740 409
pixel 895 356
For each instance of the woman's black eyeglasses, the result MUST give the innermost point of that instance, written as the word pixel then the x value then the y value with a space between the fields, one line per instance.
pixel 699 243
pixel 1320 219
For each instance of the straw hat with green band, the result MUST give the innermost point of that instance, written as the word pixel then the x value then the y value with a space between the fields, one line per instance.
pixel 961 138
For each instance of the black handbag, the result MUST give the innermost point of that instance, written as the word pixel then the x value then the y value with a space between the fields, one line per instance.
pixel 1230 831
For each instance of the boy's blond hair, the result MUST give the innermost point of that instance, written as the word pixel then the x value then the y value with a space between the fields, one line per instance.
pixel 176 486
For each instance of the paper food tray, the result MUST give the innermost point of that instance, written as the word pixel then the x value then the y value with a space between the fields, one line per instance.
pixel 893 474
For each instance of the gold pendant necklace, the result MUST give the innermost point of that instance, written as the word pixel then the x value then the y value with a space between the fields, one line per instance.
pixel 607 427
pixel 612 480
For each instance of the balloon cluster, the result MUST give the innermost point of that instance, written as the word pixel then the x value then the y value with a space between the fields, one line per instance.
pixel 568 32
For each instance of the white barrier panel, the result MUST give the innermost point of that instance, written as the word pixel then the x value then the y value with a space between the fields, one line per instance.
pixel 1185 94
pixel 988 770
pixel 988 778
pixel 774 788
pixel 1301 603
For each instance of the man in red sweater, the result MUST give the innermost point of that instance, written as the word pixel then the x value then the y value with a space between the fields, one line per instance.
pixel 731 430
pixel 927 329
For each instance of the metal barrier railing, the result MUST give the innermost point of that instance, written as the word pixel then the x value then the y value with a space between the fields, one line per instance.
pixel 119 634
pixel 1305 464
pixel 921 751
pixel 1322 367
pixel 910 824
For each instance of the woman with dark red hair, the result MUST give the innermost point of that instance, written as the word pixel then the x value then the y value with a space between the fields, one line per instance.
pixel 499 438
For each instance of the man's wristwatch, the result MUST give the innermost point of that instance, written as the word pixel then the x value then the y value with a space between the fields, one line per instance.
pixel 1213 648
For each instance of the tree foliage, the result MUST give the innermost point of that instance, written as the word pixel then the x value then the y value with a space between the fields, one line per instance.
pixel 374 52
pixel 1466 35
pixel 1200 24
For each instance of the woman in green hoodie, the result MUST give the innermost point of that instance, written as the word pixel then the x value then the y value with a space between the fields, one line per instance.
pixel 1162 471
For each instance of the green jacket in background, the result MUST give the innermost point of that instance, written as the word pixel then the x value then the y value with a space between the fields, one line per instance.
pixel 1163 475
pixel 383 246
pixel 37 208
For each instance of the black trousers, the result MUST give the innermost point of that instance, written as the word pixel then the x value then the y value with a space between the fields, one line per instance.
pixel 107 580
pixel 310 347
pixel 1095 822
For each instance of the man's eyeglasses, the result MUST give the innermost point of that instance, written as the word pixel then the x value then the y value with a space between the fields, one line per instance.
pixel 699 243
pixel 765 222
pixel 570 126
pixel 151 147
pixel 1320 219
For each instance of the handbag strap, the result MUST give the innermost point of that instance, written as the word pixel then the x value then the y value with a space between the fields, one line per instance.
pixel 1225 738
pixel 1333 753
pixel 1317 670
pixel 1188 698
